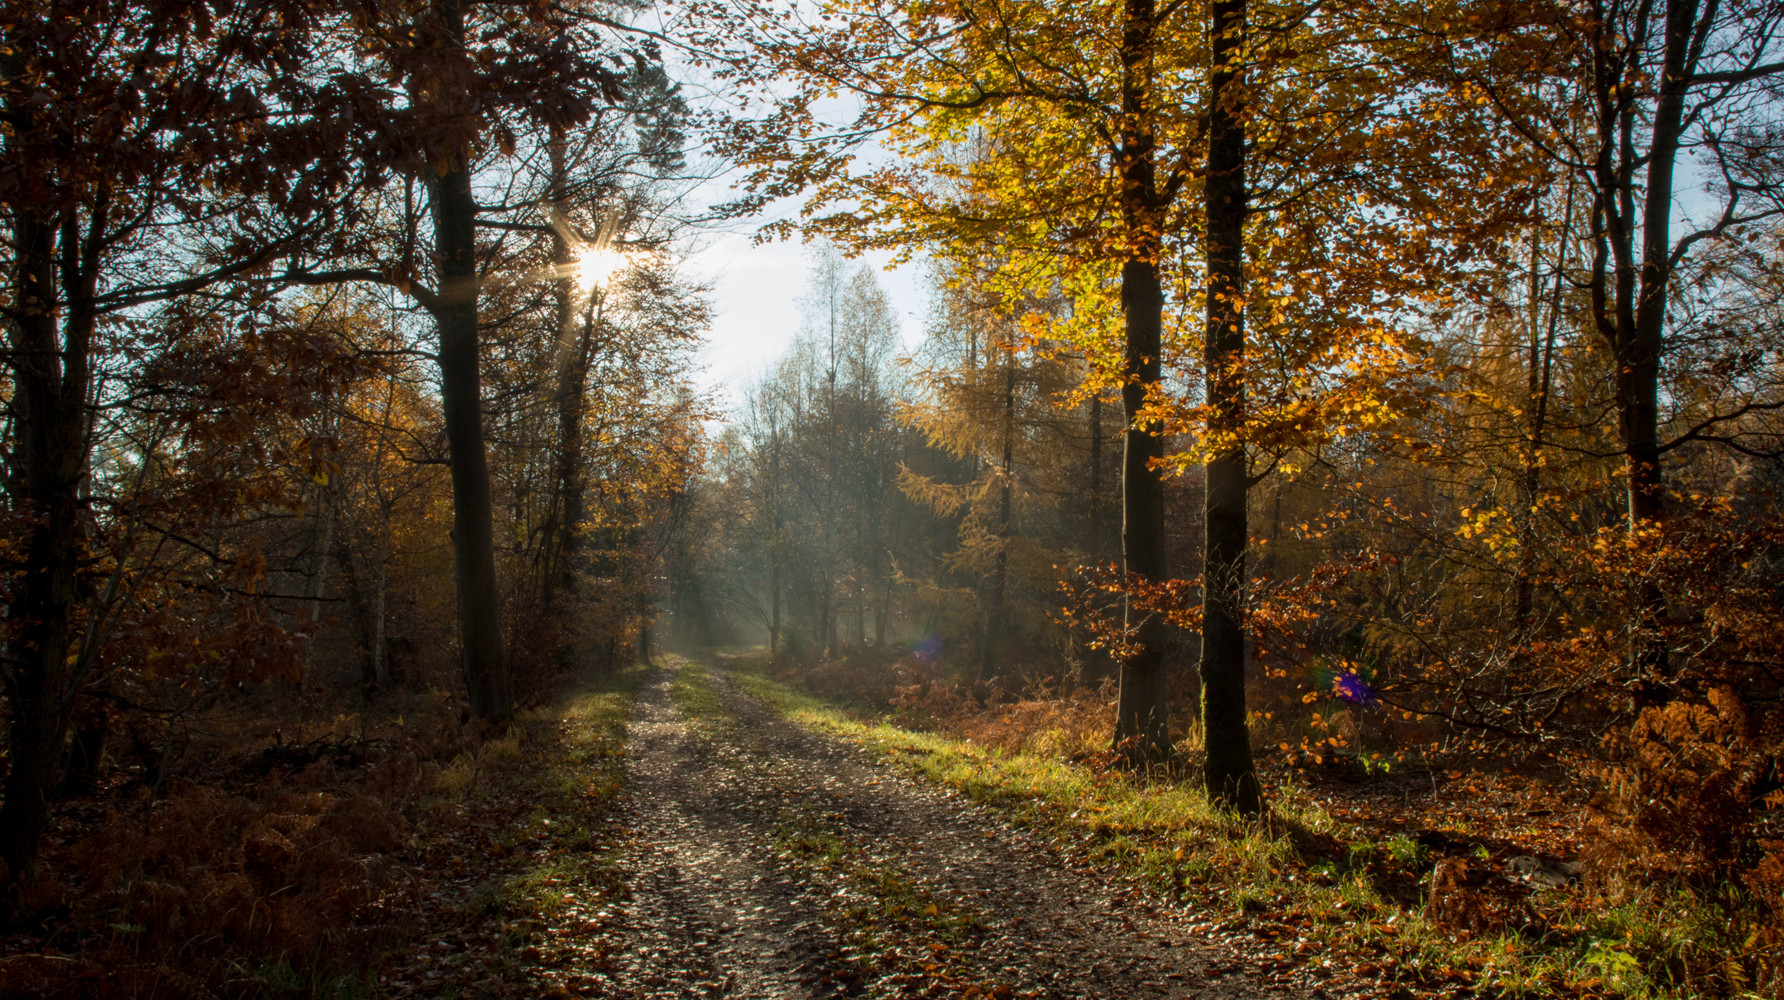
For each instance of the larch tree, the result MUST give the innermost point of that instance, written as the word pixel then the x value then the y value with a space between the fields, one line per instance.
pixel 996 401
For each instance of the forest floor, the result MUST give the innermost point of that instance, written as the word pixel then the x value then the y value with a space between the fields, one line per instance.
pixel 702 829
pixel 772 860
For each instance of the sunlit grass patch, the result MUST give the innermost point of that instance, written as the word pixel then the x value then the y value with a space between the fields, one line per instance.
pixel 1300 876
pixel 693 692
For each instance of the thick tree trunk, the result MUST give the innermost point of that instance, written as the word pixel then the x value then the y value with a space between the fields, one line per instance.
pixel 51 380
pixel 1141 727
pixel 1630 305
pixel 461 396
pixel 1231 779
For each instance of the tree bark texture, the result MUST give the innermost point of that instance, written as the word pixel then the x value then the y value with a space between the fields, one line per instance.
pixel 1231 778
pixel 1141 727
pixel 461 396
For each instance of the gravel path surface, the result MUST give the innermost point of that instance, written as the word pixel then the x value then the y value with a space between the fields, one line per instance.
pixel 772 861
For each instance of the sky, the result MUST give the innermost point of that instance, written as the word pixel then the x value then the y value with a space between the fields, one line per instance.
pixel 755 297
pixel 756 287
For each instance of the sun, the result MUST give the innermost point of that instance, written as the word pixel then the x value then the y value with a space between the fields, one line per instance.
pixel 595 265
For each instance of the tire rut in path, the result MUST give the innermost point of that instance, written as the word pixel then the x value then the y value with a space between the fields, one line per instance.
pixel 717 908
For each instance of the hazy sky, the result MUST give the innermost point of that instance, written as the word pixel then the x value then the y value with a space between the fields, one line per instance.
pixel 755 295
pixel 756 289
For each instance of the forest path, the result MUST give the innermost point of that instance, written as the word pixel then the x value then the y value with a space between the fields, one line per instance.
pixel 771 861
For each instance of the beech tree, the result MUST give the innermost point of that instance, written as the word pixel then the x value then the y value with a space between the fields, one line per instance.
pixel 1067 138
pixel 151 152
pixel 473 73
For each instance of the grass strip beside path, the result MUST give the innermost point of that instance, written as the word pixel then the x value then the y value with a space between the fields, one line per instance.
pixel 520 841
pixel 1303 880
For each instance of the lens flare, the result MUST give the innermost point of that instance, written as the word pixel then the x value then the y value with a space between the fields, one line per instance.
pixel 595 266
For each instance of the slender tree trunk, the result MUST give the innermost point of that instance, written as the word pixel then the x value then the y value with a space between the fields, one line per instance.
pixel 1141 726
pixel 51 380
pixel 461 396
pixel 1638 369
pixel 382 674
pixel 1094 516
pixel 774 603
pixel 1102 541
pixel 574 347
pixel 774 541
pixel 318 583
pixel 1231 780
pixel 1000 581
pixel 571 500
pixel 1540 378
pixel 882 614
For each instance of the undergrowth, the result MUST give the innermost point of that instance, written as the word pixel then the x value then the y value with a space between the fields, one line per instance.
pixel 1411 911
pixel 352 856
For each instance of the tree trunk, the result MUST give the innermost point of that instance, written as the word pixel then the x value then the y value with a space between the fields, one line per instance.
pixel 318 582
pixel 1231 780
pixel 1638 363
pixel 382 673
pixel 1539 381
pixel 774 613
pixel 575 343
pixel 461 396
pixel 1000 582
pixel 774 544
pixel 51 382
pixel 1630 306
pixel 1141 727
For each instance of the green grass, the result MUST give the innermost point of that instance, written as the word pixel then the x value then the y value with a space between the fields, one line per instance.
pixel 1652 946
pixel 565 764
pixel 693 692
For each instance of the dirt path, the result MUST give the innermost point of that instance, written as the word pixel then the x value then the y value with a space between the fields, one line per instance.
pixel 770 861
